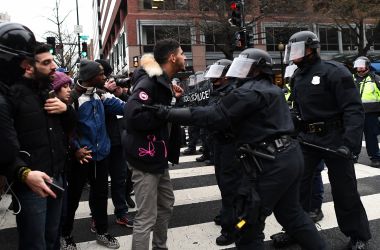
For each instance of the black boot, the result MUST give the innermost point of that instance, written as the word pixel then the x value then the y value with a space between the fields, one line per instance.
pixel 201 158
pixel 225 239
pixel 189 151
pixel 316 215
pixel 282 240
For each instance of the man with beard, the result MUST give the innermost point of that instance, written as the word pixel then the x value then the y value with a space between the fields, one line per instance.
pixel 40 123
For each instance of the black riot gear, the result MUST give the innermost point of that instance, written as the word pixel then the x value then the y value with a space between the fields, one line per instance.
pixel 311 39
pixel 262 59
pixel 249 59
pixel 218 69
pixel 16 40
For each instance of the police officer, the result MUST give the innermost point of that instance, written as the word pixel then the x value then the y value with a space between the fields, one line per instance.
pixel 332 117
pixel 227 173
pixel 257 115
pixel 368 85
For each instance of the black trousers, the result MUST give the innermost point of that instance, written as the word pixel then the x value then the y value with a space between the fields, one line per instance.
pixel 97 175
pixel 228 176
pixel 278 187
pixel 194 135
pixel 350 213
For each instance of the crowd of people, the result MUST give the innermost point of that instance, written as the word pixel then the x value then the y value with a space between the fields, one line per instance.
pixel 59 135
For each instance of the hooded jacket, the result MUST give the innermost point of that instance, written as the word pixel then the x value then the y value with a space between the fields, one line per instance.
pixel 150 142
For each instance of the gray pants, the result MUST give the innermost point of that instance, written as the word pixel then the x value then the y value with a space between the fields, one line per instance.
pixel 155 199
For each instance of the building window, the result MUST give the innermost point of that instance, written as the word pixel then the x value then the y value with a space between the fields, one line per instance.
pixel 153 33
pixel 165 4
pixel 214 40
pixel 275 35
pixel 328 37
pixel 373 36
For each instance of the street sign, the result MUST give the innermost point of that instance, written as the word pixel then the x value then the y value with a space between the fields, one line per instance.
pixel 78 28
pixel 84 38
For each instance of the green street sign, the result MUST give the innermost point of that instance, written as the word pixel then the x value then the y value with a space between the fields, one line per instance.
pixel 84 38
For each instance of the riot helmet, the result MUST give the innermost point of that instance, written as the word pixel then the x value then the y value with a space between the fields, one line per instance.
pixel 362 65
pixel 298 43
pixel 16 41
pixel 249 59
pixel 218 69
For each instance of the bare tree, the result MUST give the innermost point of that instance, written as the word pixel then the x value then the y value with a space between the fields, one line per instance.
pixel 66 42
pixel 342 14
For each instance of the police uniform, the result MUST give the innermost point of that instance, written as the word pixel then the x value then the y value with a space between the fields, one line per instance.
pixel 332 116
pixel 227 172
pixel 256 113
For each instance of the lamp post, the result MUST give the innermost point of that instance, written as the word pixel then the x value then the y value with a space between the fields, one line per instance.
pixel 281 48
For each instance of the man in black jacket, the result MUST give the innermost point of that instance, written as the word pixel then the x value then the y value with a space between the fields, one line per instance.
pixel 149 145
pixel 41 124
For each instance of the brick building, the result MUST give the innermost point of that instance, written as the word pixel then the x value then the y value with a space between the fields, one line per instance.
pixel 125 29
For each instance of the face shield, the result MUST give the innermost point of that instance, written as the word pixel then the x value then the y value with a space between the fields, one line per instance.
pixel 240 67
pixel 215 71
pixel 294 51
pixel 360 63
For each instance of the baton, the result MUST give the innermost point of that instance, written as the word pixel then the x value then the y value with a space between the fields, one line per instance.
pixel 249 150
pixel 329 150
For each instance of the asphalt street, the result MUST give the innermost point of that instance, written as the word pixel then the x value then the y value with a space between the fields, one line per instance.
pixel 198 201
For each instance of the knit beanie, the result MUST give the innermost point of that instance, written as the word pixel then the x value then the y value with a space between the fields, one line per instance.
pixel 88 69
pixel 60 79
pixel 106 66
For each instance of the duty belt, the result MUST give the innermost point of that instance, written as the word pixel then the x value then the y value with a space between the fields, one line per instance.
pixel 321 127
pixel 276 145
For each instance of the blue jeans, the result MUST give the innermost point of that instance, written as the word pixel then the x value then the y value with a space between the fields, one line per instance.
pixel 39 219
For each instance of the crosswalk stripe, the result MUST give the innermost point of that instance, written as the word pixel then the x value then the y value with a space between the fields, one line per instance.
pixel 202 236
pixel 191 195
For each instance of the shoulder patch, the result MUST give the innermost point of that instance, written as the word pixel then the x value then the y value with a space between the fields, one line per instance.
pixel 143 96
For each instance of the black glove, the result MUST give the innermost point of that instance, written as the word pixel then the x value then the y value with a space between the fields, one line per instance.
pixel 177 115
pixel 345 152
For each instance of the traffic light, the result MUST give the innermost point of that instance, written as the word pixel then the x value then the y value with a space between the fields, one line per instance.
pixel 236 17
pixel 50 40
pixel 84 49
pixel 135 61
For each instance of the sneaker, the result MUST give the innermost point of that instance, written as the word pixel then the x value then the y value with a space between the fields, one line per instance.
pixel 131 203
pixel 93 226
pixel 316 215
pixel 189 151
pixel 357 245
pixel 67 243
pixel 107 240
pixel 124 221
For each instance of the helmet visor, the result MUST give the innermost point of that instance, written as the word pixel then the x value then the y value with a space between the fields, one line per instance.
pixel 215 71
pixel 240 67
pixel 294 51
pixel 360 63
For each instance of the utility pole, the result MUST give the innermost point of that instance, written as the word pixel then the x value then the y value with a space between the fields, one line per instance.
pixel 243 23
pixel 79 55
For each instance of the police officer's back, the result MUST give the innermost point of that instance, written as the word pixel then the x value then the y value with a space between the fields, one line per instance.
pixel 332 117
pixel 258 116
